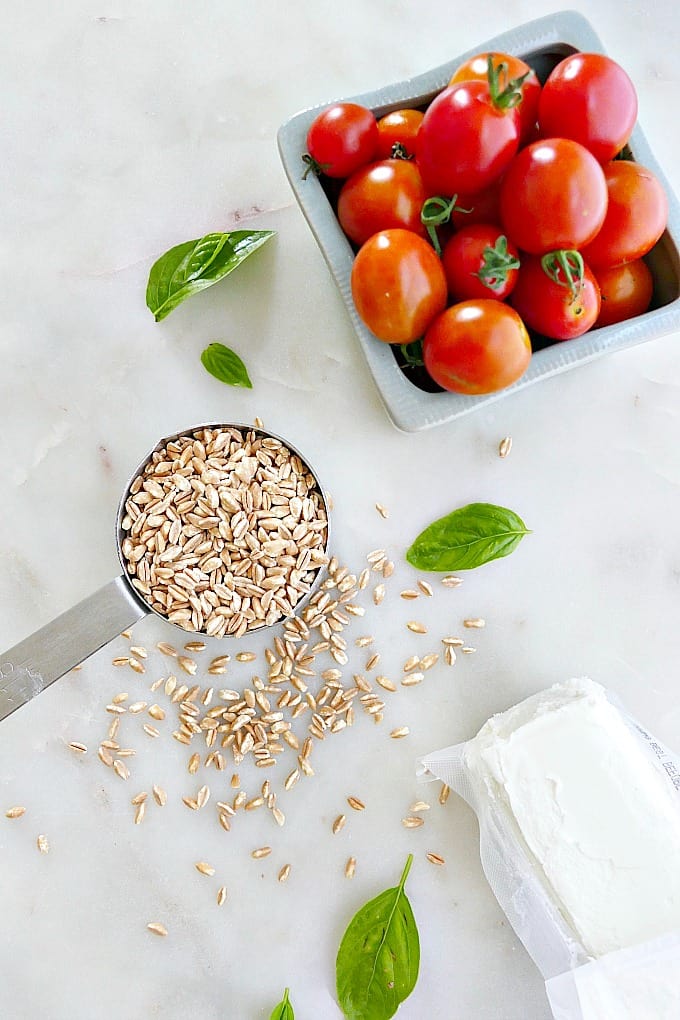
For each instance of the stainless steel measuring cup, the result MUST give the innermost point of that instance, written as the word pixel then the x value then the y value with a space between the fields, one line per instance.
pixel 40 659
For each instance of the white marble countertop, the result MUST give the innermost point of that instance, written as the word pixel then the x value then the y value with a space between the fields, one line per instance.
pixel 128 128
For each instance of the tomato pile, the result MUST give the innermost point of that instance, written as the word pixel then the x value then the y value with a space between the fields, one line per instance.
pixel 504 211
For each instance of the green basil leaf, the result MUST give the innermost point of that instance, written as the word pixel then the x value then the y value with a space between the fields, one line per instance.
pixel 284 1010
pixel 225 365
pixel 378 959
pixel 190 267
pixel 467 538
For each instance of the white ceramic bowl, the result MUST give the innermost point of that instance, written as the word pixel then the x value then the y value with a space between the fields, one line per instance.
pixel 542 44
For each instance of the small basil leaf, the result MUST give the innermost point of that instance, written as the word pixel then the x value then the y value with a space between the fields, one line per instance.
pixel 378 959
pixel 467 538
pixel 225 365
pixel 190 267
pixel 284 1010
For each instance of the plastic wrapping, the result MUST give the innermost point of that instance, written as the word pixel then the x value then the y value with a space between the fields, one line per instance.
pixel 633 983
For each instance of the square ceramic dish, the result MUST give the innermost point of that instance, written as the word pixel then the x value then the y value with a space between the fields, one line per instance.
pixel 542 44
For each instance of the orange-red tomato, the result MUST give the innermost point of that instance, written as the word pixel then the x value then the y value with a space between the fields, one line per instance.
pixel 549 306
pixel 626 291
pixel 636 218
pixel 398 128
pixel 398 285
pixel 379 196
pixel 479 262
pixel 341 138
pixel 477 347
pixel 476 69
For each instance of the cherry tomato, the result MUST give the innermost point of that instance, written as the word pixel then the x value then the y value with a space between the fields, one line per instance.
pixel 341 139
pixel 381 195
pixel 482 208
pixel 477 347
pixel 551 306
pixel 465 141
pixel 636 215
pixel 476 69
pixel 626 292
pixel 398 285
pixel 479 262
pixel 398 128
pixel 589 98
pixel 554 195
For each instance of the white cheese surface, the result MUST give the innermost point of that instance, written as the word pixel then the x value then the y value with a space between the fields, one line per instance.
pixel 601 822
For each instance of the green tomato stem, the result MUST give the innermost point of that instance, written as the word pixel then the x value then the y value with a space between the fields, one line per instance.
pixel 313 167
pixel 506 93
pixel 496 264
pixel 436 211
pixel 571 265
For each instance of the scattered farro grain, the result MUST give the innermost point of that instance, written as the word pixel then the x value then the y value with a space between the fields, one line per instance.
pixel 240 799
pixel 401 731
pixel 412 822
pixel 157 928
pixel 15 812
pixel 416 627
pixel 156 684
pixel 468 650
pixel 409 594
pixel 386 683
pixel 387 569
pixel 451 581
pixel 121 769
pixel 126 752
pixel 127 634
pixel 429 660
pixel 292 779
pixel 246 657
pixel 378 593
pixel 203 796
pixel 235 781
pixel 139 813
pixel 190 803
pixel 139 651
pixel 120 660
pixel 505 446
pixel 450 655
pixel 253 803
pixel 167 649
pixel 444 793
pixel 224 821
pixel 355 803
pixel 104 756
pixel 159 795
pixel 43 844
pixel 279 816
pixel 382 510
pixel 476 622
pixel 139 798
pixel 136 707
pixel 151 731
pixel 426 588
pixel 339 824
pixel 221 895
pixel 420 805
pixel 411 663
pixel 79 748
pixel 350 867
pixel 364 576
pixel 194 646
pixel 205 868
pixel 435 858
pixel 453 642
pixel 263 851
pixel 118 699
pixel 188 664
pixel 115 709
pixel 375 556
pixel 136 665
pixel 412 679
pixel 284 873
pixel 372 662
pixel 194 763
pixel 364 641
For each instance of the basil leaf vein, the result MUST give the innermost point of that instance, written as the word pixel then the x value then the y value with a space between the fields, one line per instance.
pixel 192 266
pixel 225 365
pixel 468 537
pixel 379 956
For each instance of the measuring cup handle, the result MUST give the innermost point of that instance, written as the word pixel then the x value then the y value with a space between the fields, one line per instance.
pixel 39 660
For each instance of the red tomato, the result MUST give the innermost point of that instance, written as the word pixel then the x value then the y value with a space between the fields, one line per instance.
pixel 479 262
pixel 626 292
pixel 476 69
pixel 588 97
pixel 477 347
pixel 398 128
pixel 554 195
pixel 379 196
pixel 636 215
pixel 341 139
pixel 482 208
pixel 465 142
pixel 398 285
pixel 549 306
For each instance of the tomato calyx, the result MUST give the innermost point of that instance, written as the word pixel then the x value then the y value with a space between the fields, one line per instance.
pixel 436 211
pixel 413 353
pixel 496 264
pixel 506 93
pixel 313 166
pixel 399 151
pixel 566 268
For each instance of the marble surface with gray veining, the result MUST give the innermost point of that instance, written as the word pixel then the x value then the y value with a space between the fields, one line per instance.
pixel 127 128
